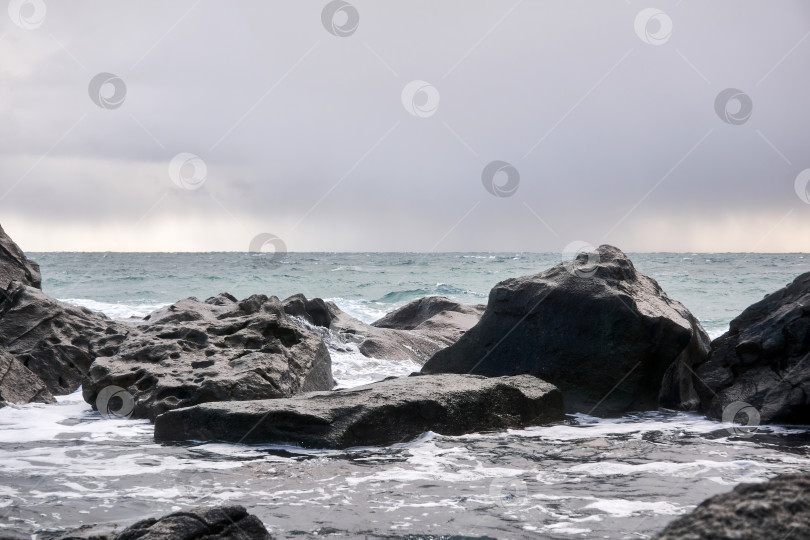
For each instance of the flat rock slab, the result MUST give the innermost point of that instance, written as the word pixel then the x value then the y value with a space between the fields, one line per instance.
pixel 383 413
pixel 775 510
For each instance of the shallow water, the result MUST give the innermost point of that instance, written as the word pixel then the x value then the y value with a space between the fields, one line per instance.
pixel 63 465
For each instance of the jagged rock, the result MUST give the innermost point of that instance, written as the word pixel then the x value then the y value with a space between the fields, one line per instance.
pixel 382 413
pixel 15 266
pixel 18 384
pixel 775 510
pixel 414 332
pixel 219 350
pixel 217 523
pixel 606 335
pixel 763 360
pixel 56 341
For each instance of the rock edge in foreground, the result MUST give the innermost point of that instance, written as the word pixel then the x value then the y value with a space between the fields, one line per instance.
pixel 383 413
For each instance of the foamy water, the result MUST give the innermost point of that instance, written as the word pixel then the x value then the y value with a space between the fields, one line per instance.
pixel 63 465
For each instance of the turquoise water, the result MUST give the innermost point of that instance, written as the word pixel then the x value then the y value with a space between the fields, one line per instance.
pixel 63 465
pixel 715 287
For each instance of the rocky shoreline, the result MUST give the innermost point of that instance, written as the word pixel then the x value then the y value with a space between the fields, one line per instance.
pixel 590 336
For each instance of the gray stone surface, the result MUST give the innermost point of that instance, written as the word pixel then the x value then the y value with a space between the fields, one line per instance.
pixel 56 341
pixel 606 335
pixel 218 350
pixel 763 360
pixel 15 266
pixel 775 510
pixel 383 413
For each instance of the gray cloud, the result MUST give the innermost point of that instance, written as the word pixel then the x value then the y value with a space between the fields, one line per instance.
pixel 304 133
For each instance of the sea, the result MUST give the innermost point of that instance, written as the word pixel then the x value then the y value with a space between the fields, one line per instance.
pixel 63 466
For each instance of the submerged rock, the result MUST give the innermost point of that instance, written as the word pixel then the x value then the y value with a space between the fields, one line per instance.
pixel 222 522
pixel 383 413
pixel 55 341
pixel 414 332
pixel 775 510
pixel 15 266
pixel 18 384
pixel 219 350
pixel 763 360
pixel 606 335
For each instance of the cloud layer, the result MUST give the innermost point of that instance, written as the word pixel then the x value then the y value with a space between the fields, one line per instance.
pixel 607 113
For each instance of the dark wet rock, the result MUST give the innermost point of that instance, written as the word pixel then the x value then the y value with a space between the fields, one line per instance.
pixel 219 350
pixel 415 314
pixel 775 510
pixel 55 341
pixel 763 360
pixel 15 266
pixel 382 413
pixel 606 335
pixel 223 522
pixel 18 384
pixel 414 332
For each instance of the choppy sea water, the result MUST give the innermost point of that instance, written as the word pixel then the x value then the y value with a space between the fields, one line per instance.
pixel 63 465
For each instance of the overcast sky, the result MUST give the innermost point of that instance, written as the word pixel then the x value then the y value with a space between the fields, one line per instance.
pixel 604 114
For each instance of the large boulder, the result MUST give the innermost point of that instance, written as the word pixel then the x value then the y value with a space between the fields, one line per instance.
pixel 15 266
pixel 382 413
pixel 414 332
pixel 55 341
pixel 775 510
pixel 18 384
pixel 763 360
pixel 606 335
pixel 218 350
pixel 215 523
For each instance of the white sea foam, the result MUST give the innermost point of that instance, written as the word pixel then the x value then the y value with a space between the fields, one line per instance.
pixel 116 311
